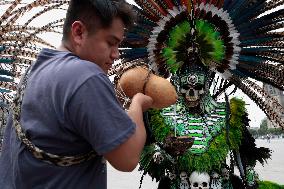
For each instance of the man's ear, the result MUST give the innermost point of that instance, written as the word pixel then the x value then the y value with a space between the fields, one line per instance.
pixel 78 31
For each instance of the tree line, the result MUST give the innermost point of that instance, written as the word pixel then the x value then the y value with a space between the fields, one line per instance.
pixel 264 130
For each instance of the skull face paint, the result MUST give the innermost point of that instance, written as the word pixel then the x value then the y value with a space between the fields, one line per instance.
pixel 192 88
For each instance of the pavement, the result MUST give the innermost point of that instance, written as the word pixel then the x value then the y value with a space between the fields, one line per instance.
pixel 274 169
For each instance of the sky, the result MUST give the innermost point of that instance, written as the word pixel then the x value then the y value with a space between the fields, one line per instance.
pixel 255 113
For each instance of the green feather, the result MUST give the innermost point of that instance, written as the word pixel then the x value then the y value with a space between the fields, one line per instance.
pixel 168 53
pixel 212 48
pixel 210 45
pixel 178 34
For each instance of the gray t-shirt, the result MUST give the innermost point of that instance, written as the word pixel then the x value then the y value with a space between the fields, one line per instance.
pixel 69 108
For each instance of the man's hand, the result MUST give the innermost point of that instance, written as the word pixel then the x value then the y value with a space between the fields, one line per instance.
pixel 126 156
pixel 143 100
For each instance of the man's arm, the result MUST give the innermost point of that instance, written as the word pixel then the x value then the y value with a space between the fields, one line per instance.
pixel 126 156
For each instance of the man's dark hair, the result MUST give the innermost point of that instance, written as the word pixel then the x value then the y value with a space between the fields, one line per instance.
pixel 97 14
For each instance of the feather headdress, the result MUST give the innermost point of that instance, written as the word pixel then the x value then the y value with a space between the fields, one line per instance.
pixel 240 40
pixel 21 27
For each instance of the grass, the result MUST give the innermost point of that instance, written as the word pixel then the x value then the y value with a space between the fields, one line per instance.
pixel 269 185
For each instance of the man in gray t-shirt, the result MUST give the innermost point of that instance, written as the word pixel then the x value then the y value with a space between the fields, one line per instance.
pixel 70 108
